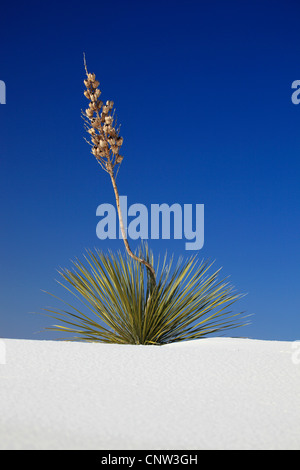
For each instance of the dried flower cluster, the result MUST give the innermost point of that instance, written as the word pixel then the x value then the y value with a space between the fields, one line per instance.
pixel 100 123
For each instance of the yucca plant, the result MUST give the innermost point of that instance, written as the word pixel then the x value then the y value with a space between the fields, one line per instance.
pixel 123 302
pixel 186 303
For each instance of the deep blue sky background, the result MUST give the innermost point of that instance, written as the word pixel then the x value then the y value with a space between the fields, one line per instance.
pixel 203 92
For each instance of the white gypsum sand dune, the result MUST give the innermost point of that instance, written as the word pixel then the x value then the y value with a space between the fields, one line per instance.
pixel 214 393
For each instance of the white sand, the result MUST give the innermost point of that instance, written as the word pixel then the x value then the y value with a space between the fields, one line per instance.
pixel 215 393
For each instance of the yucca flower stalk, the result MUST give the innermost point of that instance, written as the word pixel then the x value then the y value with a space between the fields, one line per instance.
pixel 101 125
pixel 186 303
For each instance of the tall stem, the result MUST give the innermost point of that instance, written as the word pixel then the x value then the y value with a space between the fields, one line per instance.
pixel 140 260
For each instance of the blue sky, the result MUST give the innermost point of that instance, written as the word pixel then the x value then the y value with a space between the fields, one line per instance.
pixel 203 92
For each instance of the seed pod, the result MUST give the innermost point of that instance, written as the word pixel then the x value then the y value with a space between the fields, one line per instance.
pixel 105 110
pixel 120 141
pixel 87 94
pixel 92 131
pixel 108 120
pixel 89 113
pixel 96 122
pixel 86 82
pixel 113 132
pixel 119 159
pixel 96 84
